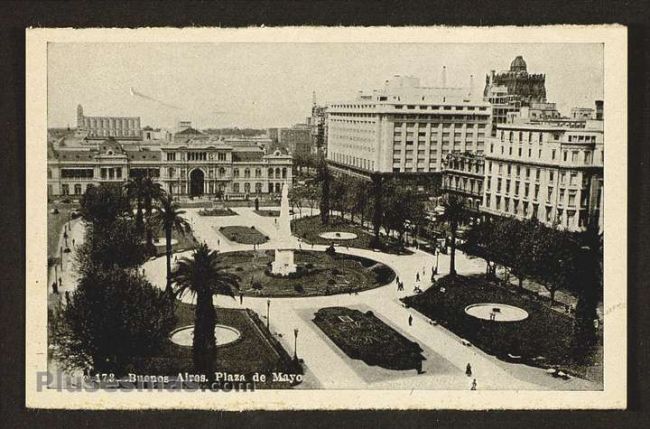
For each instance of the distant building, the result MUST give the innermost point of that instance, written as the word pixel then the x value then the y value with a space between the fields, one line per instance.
pixel 583 113
pixel 272 133
pixel 463 175
pixel 550 168
pixel 101 127
pixel 297 139
pixel 188 163
pixel 512 89
pixel 318 123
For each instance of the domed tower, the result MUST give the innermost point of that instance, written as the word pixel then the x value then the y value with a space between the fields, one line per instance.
pixel 80 117
pixel 518 65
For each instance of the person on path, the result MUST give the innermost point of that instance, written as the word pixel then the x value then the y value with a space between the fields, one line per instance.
pixel 73 242
pixel 417 277
pixel 473 385
pixel 60 284
pixel 241 298
pixel 419 367
pixel 397 279
pixel 55 288
pixel 67 297
pixel 410 320
pixel 468 370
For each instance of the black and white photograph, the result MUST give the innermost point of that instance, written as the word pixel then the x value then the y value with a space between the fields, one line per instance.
pixel 268 219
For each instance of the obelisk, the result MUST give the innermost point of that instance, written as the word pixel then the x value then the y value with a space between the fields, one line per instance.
pixel 283 264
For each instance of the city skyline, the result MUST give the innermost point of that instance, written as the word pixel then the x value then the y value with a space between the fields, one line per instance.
pixel 269 85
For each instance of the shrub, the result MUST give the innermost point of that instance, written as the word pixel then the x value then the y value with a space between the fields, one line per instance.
pixel 257 285
pixel 239 269
pixel 299 289
pixel 309 266
pixel 336 271
pixel 331 282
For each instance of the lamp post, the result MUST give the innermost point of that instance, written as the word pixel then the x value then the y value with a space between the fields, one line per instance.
pixel 295 344
pixel 437 258
pixel 61 253
pixel 268 312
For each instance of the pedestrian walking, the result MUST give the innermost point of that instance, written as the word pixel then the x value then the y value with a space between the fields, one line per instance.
pixel 60 284
pixel 55 288
pixel 419 367
pixel 410 320
pixel 417 277
pixel 67 297
pixel 397 278
pixel 468 370
pixel 241 298
pixel 473 384
pixel 73 242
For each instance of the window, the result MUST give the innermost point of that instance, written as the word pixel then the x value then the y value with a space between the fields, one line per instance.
pixel 553 154
pixel 171 171
pixel 551 176
pixel 221 156
pixel 65 189
pixel 235 188
pixel 549 196
pixel 235 173
pixel 247 173
pixel 258 172
pixel 171 156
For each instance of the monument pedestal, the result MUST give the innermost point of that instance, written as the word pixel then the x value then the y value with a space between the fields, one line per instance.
pixel 283 264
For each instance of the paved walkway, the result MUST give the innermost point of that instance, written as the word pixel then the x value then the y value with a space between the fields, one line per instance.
pixel 332 368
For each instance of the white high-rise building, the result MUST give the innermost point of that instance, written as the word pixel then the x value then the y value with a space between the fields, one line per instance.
pixel 405 127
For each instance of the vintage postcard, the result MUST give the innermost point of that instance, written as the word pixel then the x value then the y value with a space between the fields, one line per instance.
pixel 327 218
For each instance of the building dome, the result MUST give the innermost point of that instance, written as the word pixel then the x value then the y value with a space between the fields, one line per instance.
pixel 518 64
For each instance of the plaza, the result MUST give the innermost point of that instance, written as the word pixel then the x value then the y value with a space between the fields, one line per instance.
pixel 290 319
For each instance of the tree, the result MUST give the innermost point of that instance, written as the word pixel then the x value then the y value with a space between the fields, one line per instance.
pixel 323 177
pixel 113 320
pixel 521 243
pixel 454 215
pixel 170 219
pixel 296 197
pixel 588 278
pixel 134 193
pixel 116 245
pixel 479 241
pixel 313 196
pixel 204 277
pixel 150 191
pixel 101 205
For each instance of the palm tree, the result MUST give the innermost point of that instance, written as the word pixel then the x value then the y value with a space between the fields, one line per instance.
pixel 455 214
pixel 170 219
pixel 150 190
pixel 203 277
pixel 134 193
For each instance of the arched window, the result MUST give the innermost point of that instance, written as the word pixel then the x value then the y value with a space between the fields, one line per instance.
pixel 258 188
pixel 235 172
pixel 258 172
pixel 277 188
pixel 247 173
pixel 284 173
pixel 270 188
pixel 277 173
pixel 222 172
pixel 235 188
pixel 247 188
pixel 270 173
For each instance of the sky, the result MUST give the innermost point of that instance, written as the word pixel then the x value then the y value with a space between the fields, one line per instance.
pixel 264 85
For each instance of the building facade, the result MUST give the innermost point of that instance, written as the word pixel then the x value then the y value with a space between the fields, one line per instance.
pixel 184 166
pixel 405 128
pixel 296 139
pixel 463 175
pixel 101 127
pixel 548 169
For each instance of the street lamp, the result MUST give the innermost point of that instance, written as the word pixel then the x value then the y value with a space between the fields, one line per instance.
pixel 295 344
pixel 437 259
pixel 268 311
pixel 61 253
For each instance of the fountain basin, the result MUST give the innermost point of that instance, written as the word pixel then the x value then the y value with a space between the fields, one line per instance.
pixel 496 312
pixel 338 235
pixel 224 334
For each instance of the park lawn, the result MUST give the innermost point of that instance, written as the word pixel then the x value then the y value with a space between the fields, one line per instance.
pixel 365 337
pixel 545 333
pixel 217 212
pixel 268 213
pixel 309 229
pixel 185 242
pixel 255 351
pixel 243 235
pixel 318 273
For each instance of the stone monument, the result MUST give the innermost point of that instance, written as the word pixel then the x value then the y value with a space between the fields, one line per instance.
pixel 283 264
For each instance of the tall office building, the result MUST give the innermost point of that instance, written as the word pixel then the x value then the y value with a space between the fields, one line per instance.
pixel 405 128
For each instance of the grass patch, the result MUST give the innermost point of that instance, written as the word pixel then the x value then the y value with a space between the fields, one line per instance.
pixel 255 352
pixel 268 213
pixel 309 229
pixel 243 235
pixel 363 336
pixel 545 338
pixel 217 212
pixel 318 273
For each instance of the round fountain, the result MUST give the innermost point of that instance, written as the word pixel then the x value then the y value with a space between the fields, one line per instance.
pixel 496 312
pixel 224 335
